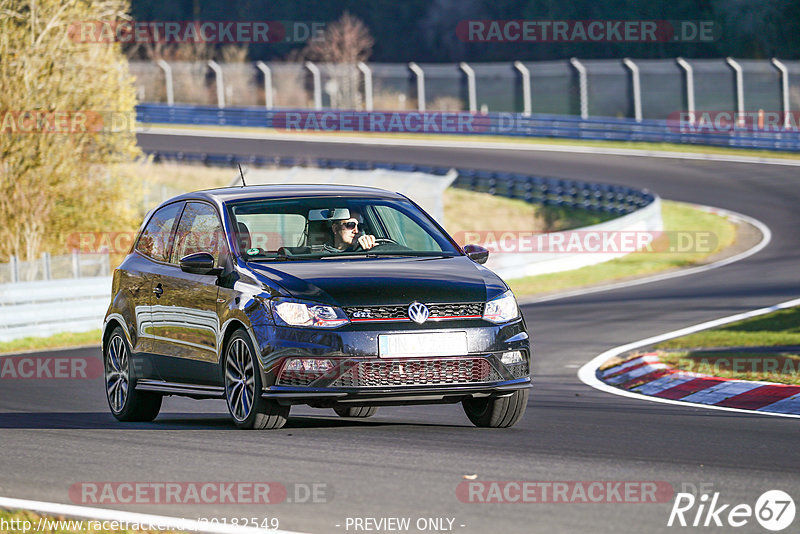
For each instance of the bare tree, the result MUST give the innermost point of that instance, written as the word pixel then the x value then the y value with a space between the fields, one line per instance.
pixel 344 43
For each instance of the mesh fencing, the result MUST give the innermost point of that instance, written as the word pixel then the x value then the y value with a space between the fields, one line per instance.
pixel 714 85
pixel 554 88
pixel 445 87
pixel 609 88
pixel 394 86
pixel 499 86
pixel 663 90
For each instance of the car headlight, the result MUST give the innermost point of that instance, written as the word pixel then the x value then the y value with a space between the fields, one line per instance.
pixel 298 313
pixel 501 309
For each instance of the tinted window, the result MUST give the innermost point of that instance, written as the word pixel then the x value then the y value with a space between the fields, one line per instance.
pixel 325 227
pixel 199 231
pixel 405 231
pixel 156 238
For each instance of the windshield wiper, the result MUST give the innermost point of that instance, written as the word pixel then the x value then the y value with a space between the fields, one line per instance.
pixel 277 258
pixel 349 255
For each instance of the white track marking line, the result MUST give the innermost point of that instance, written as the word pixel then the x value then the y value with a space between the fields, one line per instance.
pixel 466 144
pixel 106 514
pixel 587 373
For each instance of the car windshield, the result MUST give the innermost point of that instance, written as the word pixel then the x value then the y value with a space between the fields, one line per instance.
pixel 334 227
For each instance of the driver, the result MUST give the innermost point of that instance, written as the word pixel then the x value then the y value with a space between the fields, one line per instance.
pixel 347 233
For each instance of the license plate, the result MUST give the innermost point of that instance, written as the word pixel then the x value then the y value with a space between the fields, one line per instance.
pixel 422 344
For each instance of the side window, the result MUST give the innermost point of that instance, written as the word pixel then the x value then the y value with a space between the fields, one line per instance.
pixel 405 231
pixel 156 238
pixel 199 231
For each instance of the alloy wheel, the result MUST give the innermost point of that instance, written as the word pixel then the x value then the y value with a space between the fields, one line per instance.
pixel 239 380
pixel 117 373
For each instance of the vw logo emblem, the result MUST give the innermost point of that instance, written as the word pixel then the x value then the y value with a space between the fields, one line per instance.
pixel 418 312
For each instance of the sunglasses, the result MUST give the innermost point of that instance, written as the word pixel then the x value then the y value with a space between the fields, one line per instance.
pixel 350 225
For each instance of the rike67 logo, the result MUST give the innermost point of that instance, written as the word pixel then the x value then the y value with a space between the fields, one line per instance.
pixel 774 510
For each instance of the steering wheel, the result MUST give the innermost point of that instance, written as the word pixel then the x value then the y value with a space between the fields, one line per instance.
pixel 378 240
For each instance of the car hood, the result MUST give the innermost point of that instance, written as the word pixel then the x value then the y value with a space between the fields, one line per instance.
pixel 371 281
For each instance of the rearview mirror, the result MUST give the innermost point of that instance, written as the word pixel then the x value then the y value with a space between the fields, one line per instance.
pixel 199 263
pixel 329 214
pixel 476 253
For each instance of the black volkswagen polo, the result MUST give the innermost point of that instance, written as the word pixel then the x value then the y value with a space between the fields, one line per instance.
pixel 332 296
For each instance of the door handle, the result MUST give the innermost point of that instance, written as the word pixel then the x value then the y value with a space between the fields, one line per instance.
pixel 158 290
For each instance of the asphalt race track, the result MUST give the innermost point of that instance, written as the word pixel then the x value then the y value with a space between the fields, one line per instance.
pixel 407 462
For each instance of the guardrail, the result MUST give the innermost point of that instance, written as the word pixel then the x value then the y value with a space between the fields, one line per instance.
pixel 49 267
pixel 47 307
pixel 495 123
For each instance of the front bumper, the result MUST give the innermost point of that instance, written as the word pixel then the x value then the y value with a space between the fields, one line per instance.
pixel 329 397
pixel 372 381
pixel 361 376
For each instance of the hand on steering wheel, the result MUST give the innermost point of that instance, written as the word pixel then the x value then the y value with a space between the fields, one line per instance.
pixel 366 242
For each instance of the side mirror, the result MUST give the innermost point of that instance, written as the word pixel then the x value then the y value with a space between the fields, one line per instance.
pixel 476 253
pixel 199 263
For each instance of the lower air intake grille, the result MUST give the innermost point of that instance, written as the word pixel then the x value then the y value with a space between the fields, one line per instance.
pixel 519 370
pixel 382 373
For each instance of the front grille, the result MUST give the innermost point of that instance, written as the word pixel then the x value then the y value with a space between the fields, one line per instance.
pixel 379 373
pixel 296 378
pixel 518 370
pixel 444 311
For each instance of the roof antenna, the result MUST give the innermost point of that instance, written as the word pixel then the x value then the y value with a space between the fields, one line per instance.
pixel 241 174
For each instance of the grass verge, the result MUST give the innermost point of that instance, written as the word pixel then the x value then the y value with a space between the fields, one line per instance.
pixel 56 341
pixel 778 367
pixel 704 352
pixel 26 522
pixel 777 328
pixel 677 216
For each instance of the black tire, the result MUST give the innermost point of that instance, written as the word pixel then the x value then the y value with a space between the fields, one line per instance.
pixel 124 401
pixel 356 411
pixel 499 412
pixel 242 378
